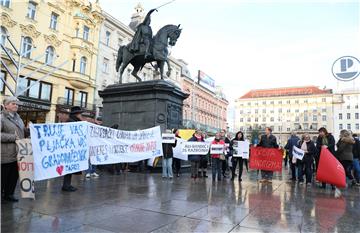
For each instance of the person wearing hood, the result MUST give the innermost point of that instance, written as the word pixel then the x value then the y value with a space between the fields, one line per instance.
pixel 12 129
pixel 326 140
pixel 239 136
pixel 305 164
pixel 215 158
pixel 344 153
pixel 293 141
pixel 195 159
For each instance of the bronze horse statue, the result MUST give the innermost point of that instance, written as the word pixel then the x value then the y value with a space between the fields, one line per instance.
pixel 166 36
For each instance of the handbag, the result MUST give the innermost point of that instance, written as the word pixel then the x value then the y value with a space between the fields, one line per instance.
pixel 222 157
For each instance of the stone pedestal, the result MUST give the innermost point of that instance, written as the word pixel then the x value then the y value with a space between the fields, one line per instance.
pixel 143 105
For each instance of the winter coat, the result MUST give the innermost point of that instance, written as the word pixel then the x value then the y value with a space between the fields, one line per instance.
pixel 168 149
pixel 268 142
pixel 311 151
pixel 330 145
pixel 10 125
pixel 356 149
pixel 195 157
pixel 293 141
pixel 220 142
pixel 345 149
pixel 229 150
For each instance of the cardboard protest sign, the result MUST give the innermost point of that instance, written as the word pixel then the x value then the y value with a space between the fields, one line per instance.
pixel 168 138
pixel 196 148
pixel 59 149
pixel 26 168
pixel 298 153
pixel 108 146
pixel 241 149
pixel 177 151
pixel 217 149
pixel 269 159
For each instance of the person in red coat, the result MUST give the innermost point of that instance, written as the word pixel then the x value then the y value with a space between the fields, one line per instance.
pixel 215 158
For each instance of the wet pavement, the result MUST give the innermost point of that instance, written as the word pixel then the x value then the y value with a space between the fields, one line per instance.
pixel 134 202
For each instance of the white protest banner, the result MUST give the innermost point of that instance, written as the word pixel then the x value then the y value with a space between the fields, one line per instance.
pixel 195 148
pixel 108 146
pixel 26 168
pixel 168 138
pixel 241 149
pixel 59 149
pixel 217 149
pixel 177 151
pixel 298 153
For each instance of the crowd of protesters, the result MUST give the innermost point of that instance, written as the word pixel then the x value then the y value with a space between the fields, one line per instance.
pixel 346 150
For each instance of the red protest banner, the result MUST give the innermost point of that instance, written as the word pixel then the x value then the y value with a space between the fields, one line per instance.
pixel 269 159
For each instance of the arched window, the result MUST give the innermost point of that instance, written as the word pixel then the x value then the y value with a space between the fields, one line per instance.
pixel 26 47
pixel 49 55
pixel 83 65
pixel 3 35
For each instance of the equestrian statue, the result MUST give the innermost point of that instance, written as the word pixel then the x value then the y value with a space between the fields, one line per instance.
pixel 144 48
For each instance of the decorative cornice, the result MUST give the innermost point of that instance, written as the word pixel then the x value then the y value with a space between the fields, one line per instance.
pixel 56 6
pixel 53 40
pixel 7 21
pixel 86 51
pixel 30 30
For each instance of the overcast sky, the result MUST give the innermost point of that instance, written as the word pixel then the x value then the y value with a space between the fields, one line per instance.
pixel 254 44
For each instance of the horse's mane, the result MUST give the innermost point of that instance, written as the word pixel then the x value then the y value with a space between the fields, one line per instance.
pixel 165 28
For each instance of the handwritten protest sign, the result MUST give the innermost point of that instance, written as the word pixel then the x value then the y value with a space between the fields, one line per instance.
pixel 177 151
pixel 108 146
pixel 217 149
pixel 269 159
pixel 195 148
pixel 241 149
pixel 26 168
pixel 298 153
pixel 168 138
pixel 59 149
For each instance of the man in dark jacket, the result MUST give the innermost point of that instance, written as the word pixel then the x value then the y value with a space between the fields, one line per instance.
pixel 167 159
pixel 293 141
pixel 75 116
pixel 356 157
pixel 268 141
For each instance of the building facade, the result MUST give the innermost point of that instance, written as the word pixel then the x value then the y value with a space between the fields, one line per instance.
pixel 299 109
pixel 51 34
pixel 204 109
pixel 114 34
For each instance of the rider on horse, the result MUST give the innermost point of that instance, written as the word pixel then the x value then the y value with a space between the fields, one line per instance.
pixel 143 35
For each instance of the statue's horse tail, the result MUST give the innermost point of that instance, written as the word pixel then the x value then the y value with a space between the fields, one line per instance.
pixel 119 57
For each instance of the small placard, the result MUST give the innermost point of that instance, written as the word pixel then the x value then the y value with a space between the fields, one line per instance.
pixel 168 138
pixel 217 149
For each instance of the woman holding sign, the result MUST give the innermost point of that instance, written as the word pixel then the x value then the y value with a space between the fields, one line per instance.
pixel 237 159
pixel 12 128
pixel 195 159
pixel 215 158
pixel 305 164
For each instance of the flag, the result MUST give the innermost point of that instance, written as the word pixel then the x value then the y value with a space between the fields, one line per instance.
pixel 330 170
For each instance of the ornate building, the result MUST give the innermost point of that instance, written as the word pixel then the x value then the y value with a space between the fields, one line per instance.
pixel 51 34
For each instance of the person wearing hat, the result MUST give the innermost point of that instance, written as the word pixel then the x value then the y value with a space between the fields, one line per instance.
pixel 74 116
pixel 63 115
pixel 12 128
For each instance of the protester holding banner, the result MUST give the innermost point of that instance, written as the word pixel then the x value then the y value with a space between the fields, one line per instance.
pixel 74 116
pixel 293 141
pixel 167 159
pixel 215 158
pixel 267 141
pixel 356 155
pixel 325 139
pixel 344 153
pixel 12 128
pixel 195 159
pixel 224 163
pixel 239 136
pixel 177 161
pixel 305 164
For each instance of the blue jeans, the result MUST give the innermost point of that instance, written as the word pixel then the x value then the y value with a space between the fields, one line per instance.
pixel 216 168
pixel 167 168
pixel 92 169
pixel 356 166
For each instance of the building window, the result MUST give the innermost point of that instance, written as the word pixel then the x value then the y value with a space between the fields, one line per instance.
pixel 348 126
pixel 2 79
pixel 49 55
pixel 356 106
pixel 314 118
pixel 39 90
pixel 357 126
pixel 45 91
pixel 348 107
pixel 272 111
pixel 256 119
pixel 272 119
pixel 83 65
pixel 249 104
pixel 296 110
pixel 82 99
pixel 323 100
pixel 288 101
pixel 256 110
pixel 53 20
pixel 306 126
pixel 280 102
pixel 105 65
pixel 3 35
pixel 107 38
pixel 264 102
pixel 241 111
pixel 31 10
pixel 356 115
pixel 264 110
pixel 340 116
pixel 241 119
pixel 271 102
pixel 69 96
pixel 323 118
pixel 288 129
pixel 305 101
pixel 26 47
pixel 86 32
pixel 34 90
pixel 323 110
pixel 296 101
pixel 348 116
pixel 5 3
pixel 264 119
pixel 249 119
pixel 280 110
pixel 306 118
pixel 297 119
pixel 21 85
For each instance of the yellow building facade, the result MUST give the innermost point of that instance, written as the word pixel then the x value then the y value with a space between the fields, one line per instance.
pixel 53 33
